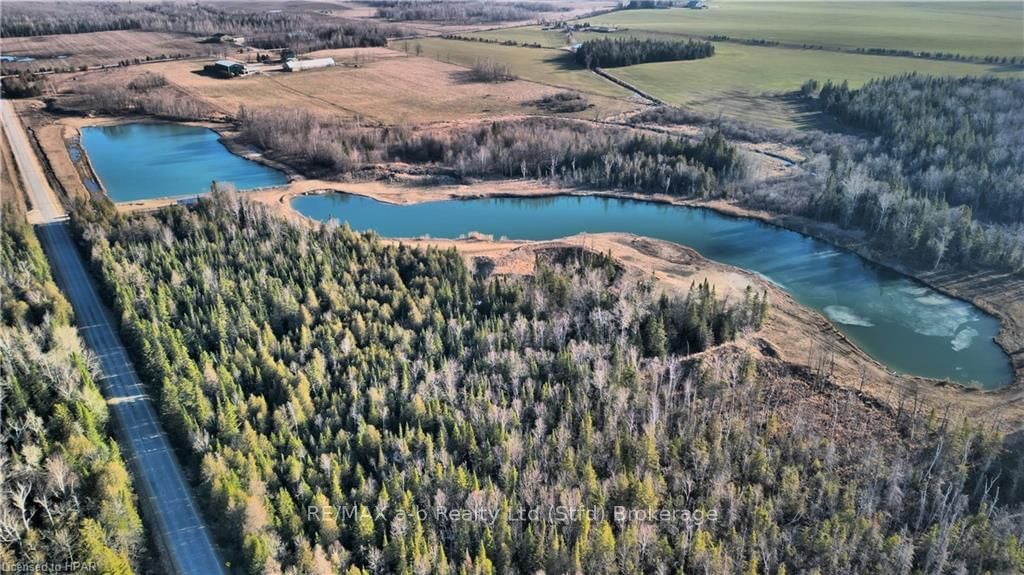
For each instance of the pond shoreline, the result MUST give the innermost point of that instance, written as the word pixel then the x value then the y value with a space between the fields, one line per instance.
pixel 179 161
pixel 398 195
pixel 1010 330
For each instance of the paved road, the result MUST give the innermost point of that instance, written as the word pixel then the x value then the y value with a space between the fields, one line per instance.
pixel 40 194
pixel 167 502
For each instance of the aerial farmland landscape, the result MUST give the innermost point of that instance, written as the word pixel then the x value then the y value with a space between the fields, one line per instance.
pixel 520 286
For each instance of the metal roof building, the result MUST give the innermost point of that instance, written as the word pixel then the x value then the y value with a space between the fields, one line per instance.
pixel 296 65
pixel 228 67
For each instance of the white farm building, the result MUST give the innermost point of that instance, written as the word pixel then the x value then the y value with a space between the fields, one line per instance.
pixel 296 65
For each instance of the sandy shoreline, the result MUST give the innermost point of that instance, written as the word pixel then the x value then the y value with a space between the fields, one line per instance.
pixel 409 194
pixel 1005 403
pixel 998 303
pixel 405 194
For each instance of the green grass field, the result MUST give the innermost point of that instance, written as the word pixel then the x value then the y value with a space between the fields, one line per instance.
pixel 547 66
pixel 526 34
pixel 736 80
pixel 973 28
pixel 733 81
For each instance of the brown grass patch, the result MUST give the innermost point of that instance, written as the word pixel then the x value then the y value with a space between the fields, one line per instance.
pixel 101 48
pixel 378 84
pixel 10 181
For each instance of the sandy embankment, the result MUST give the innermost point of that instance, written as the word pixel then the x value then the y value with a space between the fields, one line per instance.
pixel 796 334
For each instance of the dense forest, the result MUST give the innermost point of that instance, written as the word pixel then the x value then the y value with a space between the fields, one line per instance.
pixel 310 367
pixel 567 151
pixel 301 31
pixel 611 53
pixel 944 182
pixel 957 140
pixel 934 178
pixel 462 11
pixel 65 493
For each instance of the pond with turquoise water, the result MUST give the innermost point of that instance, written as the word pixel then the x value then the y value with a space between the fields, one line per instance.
pixel 146 161
pixel 901 322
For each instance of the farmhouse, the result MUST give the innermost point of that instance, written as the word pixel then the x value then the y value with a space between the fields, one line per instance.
pixel 221 37
pixel 296 65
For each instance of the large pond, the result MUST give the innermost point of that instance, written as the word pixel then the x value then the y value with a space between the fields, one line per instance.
pixel 145 161
pixel 904 324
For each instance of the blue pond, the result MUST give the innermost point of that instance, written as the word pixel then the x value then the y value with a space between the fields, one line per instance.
pixel 904 324
pixel 145 161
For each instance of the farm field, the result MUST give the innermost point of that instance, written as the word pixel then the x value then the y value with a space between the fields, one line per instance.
pixel 387 87
pixel 537 35
pixel 565 10
pixel 96 48
pixel 970 28
pixel 547 66
pixel 748 82
pixel 733 81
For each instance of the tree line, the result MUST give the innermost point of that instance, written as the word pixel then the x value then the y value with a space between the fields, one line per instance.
pixel 650 4
pixel 510 42
pixel 566 151
pixel 301 31
pixel 939 185
pixel 148 93
pixel 566 102
pixel 490 70
pixel 615 52
pixel 65 493
pixel 944 183
pixel 313 366
pixel 957 140
pixel 460 12
pixel 23 85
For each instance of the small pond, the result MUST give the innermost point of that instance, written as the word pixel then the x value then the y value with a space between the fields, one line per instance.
pixel 146 161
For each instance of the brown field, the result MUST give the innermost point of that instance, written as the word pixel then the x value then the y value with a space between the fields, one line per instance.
pixel 572 9
pixel 10 182
pixel 377 84
pixel 100 48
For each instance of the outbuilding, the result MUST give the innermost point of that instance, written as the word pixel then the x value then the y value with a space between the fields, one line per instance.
pixel 226 68
pixel 296 65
